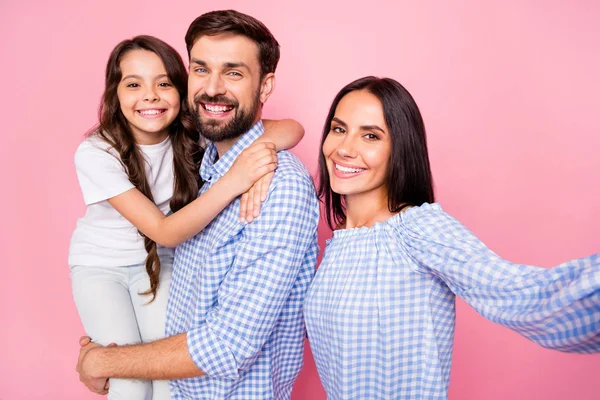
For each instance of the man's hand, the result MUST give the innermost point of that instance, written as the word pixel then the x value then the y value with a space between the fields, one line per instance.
pixel 84 367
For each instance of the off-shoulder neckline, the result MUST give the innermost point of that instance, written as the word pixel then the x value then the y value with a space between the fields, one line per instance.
pixel 401 216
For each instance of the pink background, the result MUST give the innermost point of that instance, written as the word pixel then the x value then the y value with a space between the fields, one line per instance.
pixel 509 92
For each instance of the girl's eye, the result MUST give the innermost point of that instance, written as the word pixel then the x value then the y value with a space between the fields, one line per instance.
pixel 164 84
pixel 337 129
pixel 132 85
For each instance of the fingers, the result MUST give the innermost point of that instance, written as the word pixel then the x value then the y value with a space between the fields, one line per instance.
pixel 256 147
pixel 264 170
pixel 257 150
pixel 259 158
pixel 84 341
pixel 265 158
pixel 244 206
pixel 252 166
pixel 97 387
pixel 265 182
pixel 249 210
pixel 256 191
pixel 263 165
pixel 260 153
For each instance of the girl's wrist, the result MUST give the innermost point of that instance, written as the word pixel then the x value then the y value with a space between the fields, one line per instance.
pixel 228 186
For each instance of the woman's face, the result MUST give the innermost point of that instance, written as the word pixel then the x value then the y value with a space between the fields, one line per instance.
pixel 358 146
pixel 148 99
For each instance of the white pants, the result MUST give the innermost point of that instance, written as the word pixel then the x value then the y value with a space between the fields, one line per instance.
pixel 112 311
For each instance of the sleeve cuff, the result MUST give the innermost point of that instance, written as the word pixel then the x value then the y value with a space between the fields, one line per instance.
pixel 210 355
pixel 105 194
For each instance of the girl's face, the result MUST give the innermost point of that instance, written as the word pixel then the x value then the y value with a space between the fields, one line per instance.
pixel 148 100
pixel 358 146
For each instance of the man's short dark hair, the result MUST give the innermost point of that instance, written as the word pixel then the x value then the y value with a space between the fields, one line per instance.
pixel 231 21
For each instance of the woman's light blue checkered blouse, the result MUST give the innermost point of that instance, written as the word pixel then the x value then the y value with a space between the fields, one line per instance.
pixel 380 311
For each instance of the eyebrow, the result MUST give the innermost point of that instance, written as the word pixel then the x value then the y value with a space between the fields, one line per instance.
pixel 228 65
pixel 236 65
pixel 196 61
pixel 362 127
pixel 139 77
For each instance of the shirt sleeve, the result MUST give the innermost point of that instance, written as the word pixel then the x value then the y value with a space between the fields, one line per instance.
pixel 250 300
pixel 100 174
pixel 558 307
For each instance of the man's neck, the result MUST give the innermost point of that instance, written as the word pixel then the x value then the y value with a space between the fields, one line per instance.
pixel 224 145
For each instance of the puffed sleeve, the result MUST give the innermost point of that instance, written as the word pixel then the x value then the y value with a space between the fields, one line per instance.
pixel 558 307
pixel 100 173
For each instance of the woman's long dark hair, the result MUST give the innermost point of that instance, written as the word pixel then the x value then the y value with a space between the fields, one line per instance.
pixel 114 129
pixel 409 178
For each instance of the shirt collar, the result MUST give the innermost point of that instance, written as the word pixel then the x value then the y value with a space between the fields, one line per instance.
pixel 211 170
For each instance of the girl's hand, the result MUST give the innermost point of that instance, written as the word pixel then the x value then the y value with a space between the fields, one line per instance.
pixel 251 200
pixel 252 164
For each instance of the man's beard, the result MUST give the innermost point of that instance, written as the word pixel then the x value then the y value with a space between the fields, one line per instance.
pixel 241 122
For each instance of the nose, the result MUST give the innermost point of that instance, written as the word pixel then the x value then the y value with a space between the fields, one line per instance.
pixel 215 85
pixel 347 148
pixel 151 94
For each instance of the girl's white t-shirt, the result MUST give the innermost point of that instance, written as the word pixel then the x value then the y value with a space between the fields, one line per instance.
pixel 103 237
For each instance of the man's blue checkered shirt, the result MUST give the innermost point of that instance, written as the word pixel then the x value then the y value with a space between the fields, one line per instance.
pixel 238 289
pixel 380 311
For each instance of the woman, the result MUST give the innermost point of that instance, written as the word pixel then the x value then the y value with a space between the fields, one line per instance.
pixel 380 311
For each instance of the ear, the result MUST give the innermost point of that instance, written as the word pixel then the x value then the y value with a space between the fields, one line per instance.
pixel 266 87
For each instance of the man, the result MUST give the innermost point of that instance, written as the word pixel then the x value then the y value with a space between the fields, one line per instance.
pixel 234 320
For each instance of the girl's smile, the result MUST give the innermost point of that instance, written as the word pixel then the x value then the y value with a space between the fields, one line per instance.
pixel 147 98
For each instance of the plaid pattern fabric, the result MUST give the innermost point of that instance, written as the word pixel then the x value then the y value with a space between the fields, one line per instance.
pixel 237 289
pixel 380 312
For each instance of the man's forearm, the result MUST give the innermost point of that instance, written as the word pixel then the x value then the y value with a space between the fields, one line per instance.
pixel 163 359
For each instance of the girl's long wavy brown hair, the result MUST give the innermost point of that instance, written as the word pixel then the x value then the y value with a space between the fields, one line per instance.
pixel 114 129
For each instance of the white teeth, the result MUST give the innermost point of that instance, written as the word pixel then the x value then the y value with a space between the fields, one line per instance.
pixel 150 112
pixel 346 169
pixel 216 109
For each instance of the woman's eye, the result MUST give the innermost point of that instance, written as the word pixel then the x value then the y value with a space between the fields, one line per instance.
pixel 371 136
pixel 337 129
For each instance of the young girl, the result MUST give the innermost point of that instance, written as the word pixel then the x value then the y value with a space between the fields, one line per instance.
pixel 140 164
pixel 380 310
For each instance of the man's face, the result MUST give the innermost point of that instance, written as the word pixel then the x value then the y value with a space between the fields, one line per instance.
pixel 224 85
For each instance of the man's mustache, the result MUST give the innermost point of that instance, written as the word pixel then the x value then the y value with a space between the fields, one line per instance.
pixel 220 99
